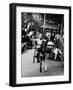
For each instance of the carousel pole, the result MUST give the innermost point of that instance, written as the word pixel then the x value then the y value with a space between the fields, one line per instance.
pixel 61 27
pixel 44 24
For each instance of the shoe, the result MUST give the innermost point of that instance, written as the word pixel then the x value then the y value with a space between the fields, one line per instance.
pixel 46 71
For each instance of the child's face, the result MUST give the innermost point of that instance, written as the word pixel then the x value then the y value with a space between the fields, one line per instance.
pixel 40 36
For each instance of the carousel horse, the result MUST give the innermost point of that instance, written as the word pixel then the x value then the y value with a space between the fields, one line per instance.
pixel 58 49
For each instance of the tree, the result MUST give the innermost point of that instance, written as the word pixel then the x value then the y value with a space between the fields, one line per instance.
pixel 38 18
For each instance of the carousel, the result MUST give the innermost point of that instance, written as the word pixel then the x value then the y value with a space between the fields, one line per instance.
pixel 46 47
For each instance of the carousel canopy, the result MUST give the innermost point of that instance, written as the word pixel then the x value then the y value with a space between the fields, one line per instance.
pixel 50 26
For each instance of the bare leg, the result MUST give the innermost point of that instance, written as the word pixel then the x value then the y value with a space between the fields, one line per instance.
pixel 34 59
pixel 45 67
pixel 34 56
pixel 55 56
